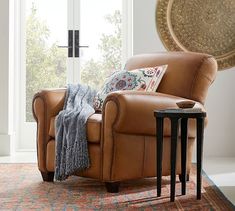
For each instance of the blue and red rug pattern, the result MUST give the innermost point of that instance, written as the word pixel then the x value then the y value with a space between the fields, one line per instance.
pixel 22 189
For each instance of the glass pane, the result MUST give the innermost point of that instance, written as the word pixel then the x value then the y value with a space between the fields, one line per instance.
pixel 101 23
pixel 46 27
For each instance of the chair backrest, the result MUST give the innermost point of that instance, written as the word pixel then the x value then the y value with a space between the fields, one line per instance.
pixel 188 75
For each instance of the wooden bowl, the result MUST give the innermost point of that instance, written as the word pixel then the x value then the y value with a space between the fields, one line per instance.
pixel 186 104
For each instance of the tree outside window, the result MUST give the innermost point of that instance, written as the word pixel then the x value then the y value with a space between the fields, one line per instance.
pixel 46 63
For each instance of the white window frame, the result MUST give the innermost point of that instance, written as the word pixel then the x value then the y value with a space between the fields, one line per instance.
pixel 127 29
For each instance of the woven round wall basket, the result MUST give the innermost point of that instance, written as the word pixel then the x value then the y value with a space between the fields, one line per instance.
pixel 206 26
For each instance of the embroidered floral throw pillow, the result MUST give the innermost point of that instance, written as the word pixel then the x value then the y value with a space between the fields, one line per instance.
pixel 144 79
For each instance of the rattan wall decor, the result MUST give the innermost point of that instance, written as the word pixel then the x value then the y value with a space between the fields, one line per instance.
pixel 206 26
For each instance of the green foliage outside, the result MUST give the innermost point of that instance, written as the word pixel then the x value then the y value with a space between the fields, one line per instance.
pixel 94 72
pixel 42 61
pixel 46 63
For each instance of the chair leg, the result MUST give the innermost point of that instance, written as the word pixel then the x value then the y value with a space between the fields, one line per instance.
pixel 187 177
pixel 112 187
pixel 47 176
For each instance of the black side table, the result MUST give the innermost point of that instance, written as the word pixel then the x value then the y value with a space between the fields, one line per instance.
pixel 176 116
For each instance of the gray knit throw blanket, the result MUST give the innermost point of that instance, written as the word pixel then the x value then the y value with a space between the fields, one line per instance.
pixel 71 141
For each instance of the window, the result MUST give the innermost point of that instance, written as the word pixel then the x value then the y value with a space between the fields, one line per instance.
pixel 43 45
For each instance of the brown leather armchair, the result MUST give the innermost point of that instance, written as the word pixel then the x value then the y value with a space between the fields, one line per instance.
pixel 121 140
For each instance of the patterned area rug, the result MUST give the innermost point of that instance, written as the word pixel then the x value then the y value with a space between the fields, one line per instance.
pixel 21 188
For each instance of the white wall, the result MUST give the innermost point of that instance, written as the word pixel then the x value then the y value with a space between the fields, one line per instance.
pixel 4 66
pixel 220 105
pixel 145 38
pixel 6 76
pixel 220 133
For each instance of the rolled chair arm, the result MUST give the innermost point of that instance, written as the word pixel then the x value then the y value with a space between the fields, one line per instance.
pixel 135 111
pixel 46 104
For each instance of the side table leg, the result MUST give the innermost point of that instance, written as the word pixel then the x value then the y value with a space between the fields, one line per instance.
pixel 159 147
pixel 200 135
pixel 184 140
pixel 174 138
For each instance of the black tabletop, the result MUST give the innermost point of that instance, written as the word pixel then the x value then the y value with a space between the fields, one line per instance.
pixel 180 113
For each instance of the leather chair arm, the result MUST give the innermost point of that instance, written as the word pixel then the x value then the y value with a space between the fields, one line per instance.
pixel 46 104
pixel 135 111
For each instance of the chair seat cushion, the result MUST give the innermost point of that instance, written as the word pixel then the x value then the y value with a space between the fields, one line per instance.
pixel 93 128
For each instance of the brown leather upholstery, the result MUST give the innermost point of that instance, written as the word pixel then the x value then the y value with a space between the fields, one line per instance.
pixel 46 104
pixel 121 140
pixel 188 75
pixel 131 116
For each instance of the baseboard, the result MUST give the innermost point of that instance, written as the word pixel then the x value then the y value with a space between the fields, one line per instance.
pixel 6 144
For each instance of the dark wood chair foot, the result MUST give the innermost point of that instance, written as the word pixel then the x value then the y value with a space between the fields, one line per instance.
pixel 47 176
pixel 187 177
pixel 112 187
